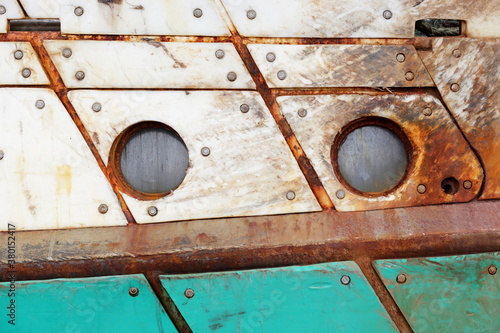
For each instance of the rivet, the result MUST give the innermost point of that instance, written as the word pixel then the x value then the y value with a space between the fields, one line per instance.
pixel 455 87
pixel 387 14
pixel 18 54
pixel 281 75
pixel 231 76
pixel 401 278
pixel 96 107
pixel 400 57
pixel 103 209
pixel 189 293
pixel 1 154
pixel 345 280
pixel 78 11
pixel 467 184
pixel 251 14
pixel 290 195
pixel 427 112
pixel 152 211
pixel 492 270
pixel 456 53
pixel 244 108
pixel 26 73
pixel 133 291
pixel 197 13
pixel 421 188
pixel 80 75
pixel 270 57
pixel 219 54
pixel 66 53
pixel 40 104
pixel 409 76
pixel 302 113
pixel 340 194
pixel 3 10
pixel 205 151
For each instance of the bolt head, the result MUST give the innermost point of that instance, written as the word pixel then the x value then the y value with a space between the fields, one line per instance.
pixel 66 53
pixel 455 87
pixel 79 11
pixel 345 280
pixel 467 184
pixel 133 291
pixel 409 76
pixel 231 76
pixel 80 75
pixel 244 108
pixel 205 151
pixel 457 53
pixel 152 211
pixel 387 14
pixel 427 112
pixel 219 54
pixel 421 188
pixel 197 13
pixel 189 293
pixel 270 57
pixel 40 104
pixel 1 154
pixel 290 195
pixel 281 75
pixel 340 194
pixel 18 54
pixel 26 73
pixel 3 10
pixel 400 57
pixel 96 107
pixel 401 278
pixel 492 270
pixel 103 209
pixel 302 113
pixel 251 14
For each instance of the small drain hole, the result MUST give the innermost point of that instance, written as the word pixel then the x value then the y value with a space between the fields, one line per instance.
pixel 450 185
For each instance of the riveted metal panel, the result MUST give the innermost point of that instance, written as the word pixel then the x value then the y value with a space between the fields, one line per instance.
pixel 436 148
pixel 466 72
pixel 331 297
pixel 49 177
pixel 446 294
pixel 119 64
pixel 246 151
pixel 340 65
pixel 21 68
pixel 12 9
pixel 42 8
pixel 99 304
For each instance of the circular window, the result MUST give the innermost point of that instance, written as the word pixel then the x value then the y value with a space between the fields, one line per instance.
pixel 370 155
pixel 151 160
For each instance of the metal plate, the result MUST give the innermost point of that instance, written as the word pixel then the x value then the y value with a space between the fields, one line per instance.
pixel 439 150
pixel 287 299
pixel 446 294
pixel 472 65
pixel 340 65
pixel 49 177
pixel 359 18
pixel 11 71
pixel 117 64
pixel 12 9
pixel 250 168
pixel 142 17
pixel 42 8
pixel 85 305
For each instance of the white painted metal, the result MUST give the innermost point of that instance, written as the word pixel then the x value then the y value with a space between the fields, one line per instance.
pixel 249 170
pixel 11 69
pixel 359 18
pixel 119 64
pixel 42 8
pixel 142 17
pixel 3 24
pixel 13 10
pixel 340 65
pixel 48 175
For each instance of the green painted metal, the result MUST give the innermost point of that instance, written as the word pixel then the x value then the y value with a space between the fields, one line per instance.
pixel 100 304
pixel 446 294
pixel 289 299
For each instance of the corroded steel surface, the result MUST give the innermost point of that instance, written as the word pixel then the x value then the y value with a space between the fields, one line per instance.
pixel 467 74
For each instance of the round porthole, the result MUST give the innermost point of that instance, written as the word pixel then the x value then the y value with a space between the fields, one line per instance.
pixel 370 156
pixel 150 160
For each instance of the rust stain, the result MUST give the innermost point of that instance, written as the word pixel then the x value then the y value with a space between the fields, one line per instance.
pixel 110 2
pixel 64 179
pixel 177 63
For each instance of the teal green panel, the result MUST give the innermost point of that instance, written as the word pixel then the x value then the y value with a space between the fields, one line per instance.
pixel 289 299
pixel 446 294
pixel 100 304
